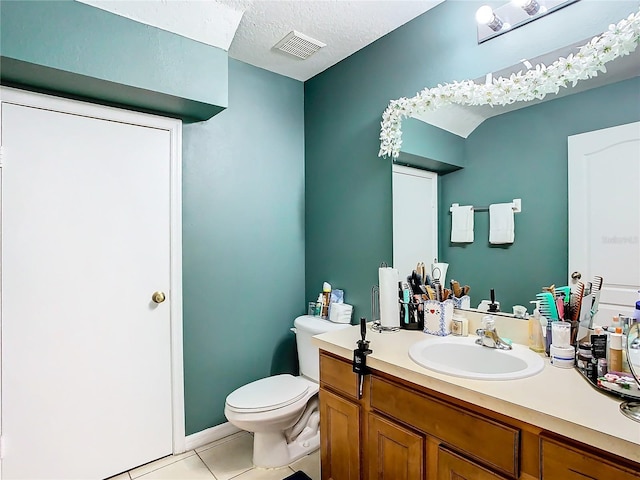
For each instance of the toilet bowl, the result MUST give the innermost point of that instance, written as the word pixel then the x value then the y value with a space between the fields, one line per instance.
pixel 282 411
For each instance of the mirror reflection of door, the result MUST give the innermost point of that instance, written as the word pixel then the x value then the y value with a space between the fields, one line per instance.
pixel 415 218
pixel 604 215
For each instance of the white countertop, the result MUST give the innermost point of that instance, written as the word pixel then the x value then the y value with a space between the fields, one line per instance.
pixel 557 399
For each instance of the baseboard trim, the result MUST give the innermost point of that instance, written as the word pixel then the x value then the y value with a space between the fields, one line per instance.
pixel 209 435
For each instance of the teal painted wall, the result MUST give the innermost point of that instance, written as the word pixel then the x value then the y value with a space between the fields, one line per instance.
pixel 429 147
pixel 348 188
pixel 523 154
pixel 243 240
pixel 75 49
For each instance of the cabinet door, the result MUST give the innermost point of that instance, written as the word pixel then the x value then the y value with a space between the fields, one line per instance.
pixel 452 466
pixel 393 452
pixel 339 437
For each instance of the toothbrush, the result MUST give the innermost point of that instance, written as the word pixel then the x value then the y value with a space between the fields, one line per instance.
pixel 406 298
pixel 560 306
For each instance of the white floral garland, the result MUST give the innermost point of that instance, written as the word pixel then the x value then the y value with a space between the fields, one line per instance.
pixel 617 41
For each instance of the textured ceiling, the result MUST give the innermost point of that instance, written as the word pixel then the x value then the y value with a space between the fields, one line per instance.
pixel 249 29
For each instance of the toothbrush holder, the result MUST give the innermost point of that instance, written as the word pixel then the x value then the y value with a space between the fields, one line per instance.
pixel 438 317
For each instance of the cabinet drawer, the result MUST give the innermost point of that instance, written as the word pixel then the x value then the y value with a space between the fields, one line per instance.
pixel 560 461
pixel 338 375
pixel 491 442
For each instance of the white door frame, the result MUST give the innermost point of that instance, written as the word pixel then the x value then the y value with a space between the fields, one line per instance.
pixel 174 127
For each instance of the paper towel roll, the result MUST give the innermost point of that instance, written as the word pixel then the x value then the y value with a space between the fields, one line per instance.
pixel 389 306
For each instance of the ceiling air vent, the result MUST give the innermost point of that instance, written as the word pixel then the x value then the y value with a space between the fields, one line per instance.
pixel 299 45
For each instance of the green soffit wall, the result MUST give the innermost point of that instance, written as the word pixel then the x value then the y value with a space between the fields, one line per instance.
pixel 79 51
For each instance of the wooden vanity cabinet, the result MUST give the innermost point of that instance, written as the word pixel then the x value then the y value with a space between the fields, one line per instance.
pixel 399 430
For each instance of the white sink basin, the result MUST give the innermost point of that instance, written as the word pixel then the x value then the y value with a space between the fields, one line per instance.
pixel 461 357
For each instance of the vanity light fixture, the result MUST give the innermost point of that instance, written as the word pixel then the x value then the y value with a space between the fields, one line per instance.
pixel 496 21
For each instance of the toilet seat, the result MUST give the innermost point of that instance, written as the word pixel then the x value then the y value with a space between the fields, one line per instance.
pixel 270 393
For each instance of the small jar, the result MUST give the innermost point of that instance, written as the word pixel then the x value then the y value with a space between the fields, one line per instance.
pixel 592 371
pixel 583 361
pixel 602 367
pixel 584 348
pixel 459 325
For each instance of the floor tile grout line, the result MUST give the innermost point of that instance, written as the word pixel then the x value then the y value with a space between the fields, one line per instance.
pixel 156 469
pixel 205 464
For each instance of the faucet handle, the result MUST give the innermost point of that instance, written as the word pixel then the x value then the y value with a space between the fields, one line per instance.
pixel 488 323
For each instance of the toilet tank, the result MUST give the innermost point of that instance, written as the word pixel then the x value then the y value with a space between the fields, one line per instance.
pixel 308 354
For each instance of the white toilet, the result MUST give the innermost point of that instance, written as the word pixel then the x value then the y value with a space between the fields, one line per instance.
pixel 283 410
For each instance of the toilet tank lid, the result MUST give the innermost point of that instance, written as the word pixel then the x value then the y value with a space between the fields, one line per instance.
pixel 268 393
pixel 316 325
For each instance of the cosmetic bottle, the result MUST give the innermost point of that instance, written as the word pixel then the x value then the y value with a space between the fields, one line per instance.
pixel 326 297
pixel 615 351
pixel 536 339
pixel 319 306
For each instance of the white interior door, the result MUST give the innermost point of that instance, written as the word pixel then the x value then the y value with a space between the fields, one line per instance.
pixel 86 353
pixel 415 218
pixel 604 214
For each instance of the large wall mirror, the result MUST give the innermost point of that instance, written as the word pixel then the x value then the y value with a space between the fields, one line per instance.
pixel 521 150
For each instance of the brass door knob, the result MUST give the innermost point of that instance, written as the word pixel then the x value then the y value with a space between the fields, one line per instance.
pixel 158 297
pixel 576 275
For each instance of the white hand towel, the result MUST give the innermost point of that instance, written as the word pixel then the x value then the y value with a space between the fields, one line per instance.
pixel 501 225
pixel 462 224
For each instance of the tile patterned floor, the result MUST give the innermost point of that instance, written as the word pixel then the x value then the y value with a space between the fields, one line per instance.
pixel 225 459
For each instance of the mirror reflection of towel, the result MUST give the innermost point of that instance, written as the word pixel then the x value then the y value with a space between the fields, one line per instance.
pixel 462 224
pixel 501 225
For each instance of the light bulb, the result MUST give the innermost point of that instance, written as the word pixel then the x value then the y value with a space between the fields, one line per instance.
pixel 530 6
pixel 484 15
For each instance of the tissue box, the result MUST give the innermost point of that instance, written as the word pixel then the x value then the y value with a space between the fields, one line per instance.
pixel 340 313
pixel 438 316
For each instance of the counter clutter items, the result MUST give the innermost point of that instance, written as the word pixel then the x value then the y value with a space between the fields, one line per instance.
pixel 426 304
pixel 330 305
pixel 471 428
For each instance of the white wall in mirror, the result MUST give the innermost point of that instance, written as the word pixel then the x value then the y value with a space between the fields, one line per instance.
pixel 415 218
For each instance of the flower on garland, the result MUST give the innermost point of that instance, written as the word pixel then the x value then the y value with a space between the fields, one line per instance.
pixel 619 40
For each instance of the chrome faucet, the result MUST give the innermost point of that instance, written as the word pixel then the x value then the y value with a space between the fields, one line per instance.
pixel 489 336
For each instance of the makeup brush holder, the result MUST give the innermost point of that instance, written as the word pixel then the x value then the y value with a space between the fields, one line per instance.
pixel 463 302
pixel 412 315
pixel 438 317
